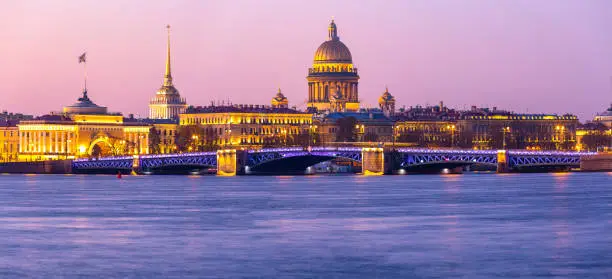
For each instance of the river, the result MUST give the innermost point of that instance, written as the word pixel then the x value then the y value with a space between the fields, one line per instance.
pixel 345 226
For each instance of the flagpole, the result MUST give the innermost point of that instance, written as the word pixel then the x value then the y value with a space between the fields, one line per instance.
pixel 85 74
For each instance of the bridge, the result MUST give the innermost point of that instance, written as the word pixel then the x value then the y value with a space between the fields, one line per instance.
pixel 296 160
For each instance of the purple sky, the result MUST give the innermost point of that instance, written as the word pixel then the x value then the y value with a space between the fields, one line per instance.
pixel 551 56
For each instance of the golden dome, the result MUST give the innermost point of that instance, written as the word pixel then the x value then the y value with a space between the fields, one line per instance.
pixel 333 50
pixel 386 97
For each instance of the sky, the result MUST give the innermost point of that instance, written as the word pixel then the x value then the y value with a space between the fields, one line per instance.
pixel 545 56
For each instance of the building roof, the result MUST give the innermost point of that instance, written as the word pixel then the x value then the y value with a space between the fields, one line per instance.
pixel 333 50
pixel 608 112
pixel 363 117
pixel 242 109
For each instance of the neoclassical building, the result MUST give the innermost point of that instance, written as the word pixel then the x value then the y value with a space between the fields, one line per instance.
pixel 333 78
pixel 84 129
pixel 167 103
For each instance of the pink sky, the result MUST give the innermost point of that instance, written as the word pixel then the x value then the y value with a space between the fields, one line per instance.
pixel 551 56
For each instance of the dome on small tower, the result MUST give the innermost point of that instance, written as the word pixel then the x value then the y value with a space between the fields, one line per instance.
pixel 84 105
pixel 280 101
pixel 386 103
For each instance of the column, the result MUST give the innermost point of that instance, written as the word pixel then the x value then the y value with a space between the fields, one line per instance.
pixel 146 144
pixel 63 136
pixel 36 139
pixel 44 141
pixel 69 141
pixel 20 141
pixel 56 141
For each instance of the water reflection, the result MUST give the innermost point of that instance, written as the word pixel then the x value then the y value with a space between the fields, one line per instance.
pixel 472 226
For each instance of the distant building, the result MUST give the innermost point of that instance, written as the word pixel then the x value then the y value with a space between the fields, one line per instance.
pixel 14 117
pixel 9 141
pixel 593 136
pixel 484 129
pixel 207 128
pixel 605 117
pixel 167 103
pixel 280 101
pixel 333 80
pixel 366 126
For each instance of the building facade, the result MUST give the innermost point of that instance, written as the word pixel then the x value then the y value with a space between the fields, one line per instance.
pixel 504 130
pixel 605 117
pixel 84 130
pixel 355 128
pixel 253 126
pixel 333 78
pixel 9 142
pixel 167 103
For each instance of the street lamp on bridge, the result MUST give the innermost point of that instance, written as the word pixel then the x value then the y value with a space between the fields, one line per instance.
pixel 505 130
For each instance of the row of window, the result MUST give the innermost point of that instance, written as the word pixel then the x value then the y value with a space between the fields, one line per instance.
pixel 245 120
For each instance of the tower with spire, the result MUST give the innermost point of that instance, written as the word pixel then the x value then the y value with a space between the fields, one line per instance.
pixel 167 103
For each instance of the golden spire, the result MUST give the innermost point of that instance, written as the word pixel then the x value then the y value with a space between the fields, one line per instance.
pixel 168 75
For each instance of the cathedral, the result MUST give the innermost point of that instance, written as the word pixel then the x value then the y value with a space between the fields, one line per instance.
pixel 332 80
pixel 167 103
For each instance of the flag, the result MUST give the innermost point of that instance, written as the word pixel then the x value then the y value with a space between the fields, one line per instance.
pixel 82 58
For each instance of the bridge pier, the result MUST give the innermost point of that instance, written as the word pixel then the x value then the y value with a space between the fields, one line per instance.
pixel 503 161
pixel 231 162
pixel 226 162
pixel 372 161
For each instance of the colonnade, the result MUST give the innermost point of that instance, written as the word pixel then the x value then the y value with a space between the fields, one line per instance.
pixel 55 142
pixel 138 143
pixel 320 91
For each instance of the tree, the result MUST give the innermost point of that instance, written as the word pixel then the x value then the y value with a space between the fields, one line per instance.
pixel 346 129
pixel 193 138
pixel 593 142
pixel 154 141
pixel 370 137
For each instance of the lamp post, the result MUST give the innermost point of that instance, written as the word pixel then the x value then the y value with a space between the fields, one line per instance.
pixel 66 150
pixel 505 130
pixel 560 136
pixel 393 137
pixel 452 129
pixel 195 142
pixel 284 132
pixel 228 140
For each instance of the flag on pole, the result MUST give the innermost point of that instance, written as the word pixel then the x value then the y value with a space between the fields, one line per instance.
pixel 82 58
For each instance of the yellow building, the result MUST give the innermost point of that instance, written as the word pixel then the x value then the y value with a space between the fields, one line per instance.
pixel 333 78
pixel 84 130
pixel 243 126
pixel 426 133
pixel 354 127
pixel 503 130
pixel 166 138
pixel 9 143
